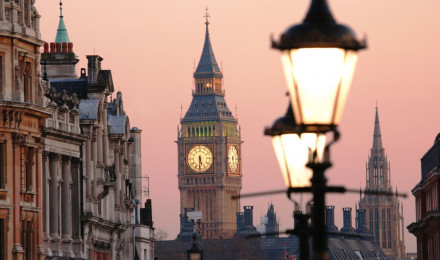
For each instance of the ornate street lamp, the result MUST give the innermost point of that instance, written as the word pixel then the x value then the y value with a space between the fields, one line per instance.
pixel 295 149
pixel 195 252
pixel 319 57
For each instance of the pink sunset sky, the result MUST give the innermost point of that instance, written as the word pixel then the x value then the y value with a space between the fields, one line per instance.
pixel 151 47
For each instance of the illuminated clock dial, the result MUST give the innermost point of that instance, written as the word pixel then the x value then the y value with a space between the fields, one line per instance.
pixel 200 158
pixel 233 158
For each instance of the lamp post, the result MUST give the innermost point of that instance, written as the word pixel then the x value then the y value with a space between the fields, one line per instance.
pixel 195 252
pixel 319 57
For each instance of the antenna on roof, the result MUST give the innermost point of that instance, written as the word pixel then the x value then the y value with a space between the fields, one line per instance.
pixel 181 111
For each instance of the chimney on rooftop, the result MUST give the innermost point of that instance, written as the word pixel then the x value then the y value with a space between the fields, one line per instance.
pixel 361 227
pixel 240 220
pixel 94 66
pixel 330 218
pixel 348 227
pixel 248 215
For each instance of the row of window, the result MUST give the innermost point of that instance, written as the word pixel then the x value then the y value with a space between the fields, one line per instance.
pixel 28 165
pixel 219 104
pixel 375 221
pixel 207 207
pixel 205 180
pixel 209 130
pixel 201 131
pixel 206 113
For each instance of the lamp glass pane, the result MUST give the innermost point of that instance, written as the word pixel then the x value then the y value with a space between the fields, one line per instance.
pixel 279 152
pixel 293 154
pixel 315 74
pixel 315 142
pixel 348 72
pixel 287 65
pixel 195 256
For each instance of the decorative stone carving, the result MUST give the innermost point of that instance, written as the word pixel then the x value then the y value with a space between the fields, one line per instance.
pixel 75 102
pixel 19 139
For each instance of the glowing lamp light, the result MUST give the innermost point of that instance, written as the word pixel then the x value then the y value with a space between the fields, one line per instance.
pixel 319 58
pixel 294 150
pixel 195 252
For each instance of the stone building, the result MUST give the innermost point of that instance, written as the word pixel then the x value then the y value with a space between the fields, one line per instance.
pixel 22 117
pixel 384 214
pixel 92 171
pixel 427 193
pixel 209 151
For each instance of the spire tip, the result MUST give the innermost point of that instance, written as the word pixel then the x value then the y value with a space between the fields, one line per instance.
pixel 61 9
pixel 207 16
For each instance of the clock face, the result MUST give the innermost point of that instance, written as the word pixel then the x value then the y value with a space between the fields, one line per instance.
pixel 200 158
pixel 233 158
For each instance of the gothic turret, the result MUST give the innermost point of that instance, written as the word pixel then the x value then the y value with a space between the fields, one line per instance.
pixel 208 102
pixel 378 174
pixel 208 76
pixel 59 61
pixel 382 216
pixel 62 35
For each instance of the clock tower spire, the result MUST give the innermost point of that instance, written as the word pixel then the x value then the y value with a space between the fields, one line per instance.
pixel 209 151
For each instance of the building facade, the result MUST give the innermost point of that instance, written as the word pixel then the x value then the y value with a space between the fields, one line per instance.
pixel 427 225
pixel 384 214
pixel 92 170
pixel 22 117
pixel 209 151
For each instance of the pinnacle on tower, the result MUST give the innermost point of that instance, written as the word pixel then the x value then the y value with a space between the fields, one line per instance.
pixel 62 35
pixel 207 66
pixel 377 138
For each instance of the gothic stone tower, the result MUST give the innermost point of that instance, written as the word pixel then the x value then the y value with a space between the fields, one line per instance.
pixel 209 151
pixel 383 217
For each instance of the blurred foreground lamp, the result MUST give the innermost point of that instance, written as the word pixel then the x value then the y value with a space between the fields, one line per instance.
pixel 295 149
pixel 319 58
pixel 195 252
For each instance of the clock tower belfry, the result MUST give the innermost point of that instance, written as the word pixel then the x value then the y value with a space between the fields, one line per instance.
pixel 209 151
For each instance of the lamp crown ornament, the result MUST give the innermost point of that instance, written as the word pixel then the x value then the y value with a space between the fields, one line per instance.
pixel 319 30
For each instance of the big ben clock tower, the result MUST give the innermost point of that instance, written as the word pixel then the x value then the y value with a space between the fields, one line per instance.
pixel 209 151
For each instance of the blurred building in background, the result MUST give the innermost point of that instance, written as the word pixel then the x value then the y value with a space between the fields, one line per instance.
pixel 384 214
